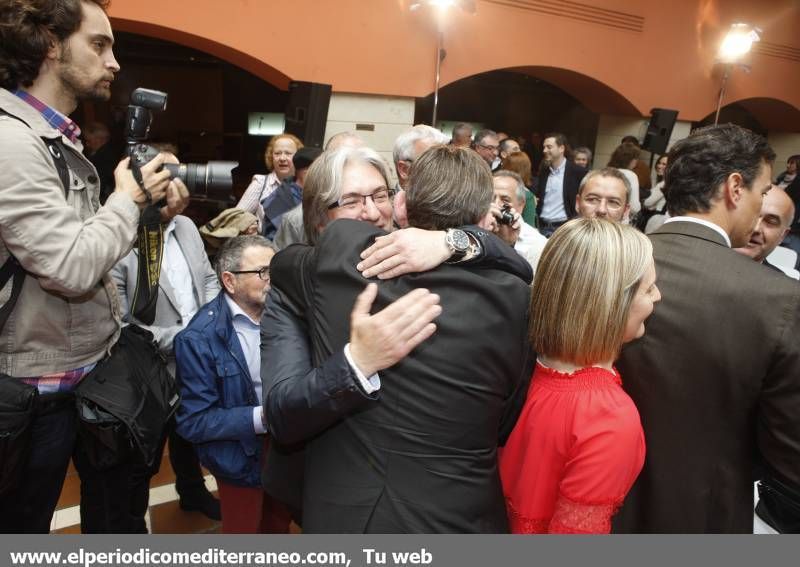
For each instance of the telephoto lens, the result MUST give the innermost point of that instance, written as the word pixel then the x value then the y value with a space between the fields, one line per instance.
pixel 213 179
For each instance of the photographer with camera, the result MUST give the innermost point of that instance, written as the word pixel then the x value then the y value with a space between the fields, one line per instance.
pixel 60 313
pixel 509 200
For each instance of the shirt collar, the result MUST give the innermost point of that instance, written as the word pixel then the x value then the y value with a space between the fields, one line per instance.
pixel 237 311
pixel 560 168
pixel 170 228
pixel 53 117
pixel 704 222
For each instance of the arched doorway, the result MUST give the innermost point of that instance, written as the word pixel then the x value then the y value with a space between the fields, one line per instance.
pixel 529 102
pixel 210 102
pixel 760 115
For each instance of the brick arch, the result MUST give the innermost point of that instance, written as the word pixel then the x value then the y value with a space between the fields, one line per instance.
pixel 268 73
pixel 771 113
pixel 593 93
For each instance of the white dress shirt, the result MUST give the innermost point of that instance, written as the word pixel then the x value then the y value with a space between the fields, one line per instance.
pixel 179 275
pixel 249 335
pixel 553 206
pixel 530 244
pixel 704 222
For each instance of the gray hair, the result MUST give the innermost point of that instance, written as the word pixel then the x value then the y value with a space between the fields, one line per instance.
pixel 348 138
pixel 229 257
pixel 462 128
pixel 481 134
pixel 583 150
pixel 522 191
pixel 405 142
pixel 324 180
pixel 607 172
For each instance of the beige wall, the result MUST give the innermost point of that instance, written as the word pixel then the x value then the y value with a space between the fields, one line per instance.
pixel 611 129
pixel 387 116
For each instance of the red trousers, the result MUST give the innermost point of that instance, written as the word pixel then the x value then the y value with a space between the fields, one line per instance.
pixel 249 510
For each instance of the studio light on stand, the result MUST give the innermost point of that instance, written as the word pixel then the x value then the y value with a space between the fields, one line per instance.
pixel 736 45
pixel 440 9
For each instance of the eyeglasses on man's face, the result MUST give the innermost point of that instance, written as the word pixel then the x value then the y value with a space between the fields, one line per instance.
pixel 354 201
pixel 263 273
pixel 612 203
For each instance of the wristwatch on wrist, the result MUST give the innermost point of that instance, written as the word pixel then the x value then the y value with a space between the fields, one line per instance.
pixel 458 243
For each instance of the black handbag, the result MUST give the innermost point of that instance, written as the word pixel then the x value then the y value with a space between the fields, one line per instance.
pixel 125 402
pixel 779 505
pixel 17 410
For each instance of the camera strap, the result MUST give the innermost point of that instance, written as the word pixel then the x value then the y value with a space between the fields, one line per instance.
pixel 11 268
pixel 150 241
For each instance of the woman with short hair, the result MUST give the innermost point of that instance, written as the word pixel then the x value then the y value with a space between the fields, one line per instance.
pixel 625 158
pixel 278 159
pixel 578 445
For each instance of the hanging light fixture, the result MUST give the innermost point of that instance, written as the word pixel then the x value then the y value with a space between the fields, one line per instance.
pixel 737 43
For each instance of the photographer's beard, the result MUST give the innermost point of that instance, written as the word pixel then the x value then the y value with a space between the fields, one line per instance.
pixel 78 83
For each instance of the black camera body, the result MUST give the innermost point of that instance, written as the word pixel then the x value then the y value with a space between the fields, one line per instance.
pixel 506 216
pixel 211 179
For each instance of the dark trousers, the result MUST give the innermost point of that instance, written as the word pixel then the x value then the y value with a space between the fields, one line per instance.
pixel 29 508
pixel 116 500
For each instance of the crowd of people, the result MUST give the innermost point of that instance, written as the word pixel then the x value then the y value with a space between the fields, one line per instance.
pixel 464 344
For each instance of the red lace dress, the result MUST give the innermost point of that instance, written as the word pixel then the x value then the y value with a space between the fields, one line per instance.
pixel 574 453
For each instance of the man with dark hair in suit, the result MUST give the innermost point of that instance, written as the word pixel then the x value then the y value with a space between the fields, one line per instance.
pixel 487 146
pixel 558 185
pixel 423 459
pixel 716 378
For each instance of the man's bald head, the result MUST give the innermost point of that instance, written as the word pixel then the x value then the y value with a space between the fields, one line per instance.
pixel 777 215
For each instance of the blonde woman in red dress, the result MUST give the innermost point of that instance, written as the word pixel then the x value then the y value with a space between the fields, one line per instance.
pixel 578 445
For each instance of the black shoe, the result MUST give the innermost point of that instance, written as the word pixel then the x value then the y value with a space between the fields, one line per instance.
pixel 203 502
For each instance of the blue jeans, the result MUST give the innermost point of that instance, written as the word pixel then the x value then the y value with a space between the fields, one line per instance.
pixel 29 509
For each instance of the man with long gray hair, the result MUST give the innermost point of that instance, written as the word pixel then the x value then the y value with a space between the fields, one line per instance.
pixel 418 461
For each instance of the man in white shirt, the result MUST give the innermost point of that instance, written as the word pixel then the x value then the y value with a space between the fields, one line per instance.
pixel 510 195
pixel 558 185
pixel 186 282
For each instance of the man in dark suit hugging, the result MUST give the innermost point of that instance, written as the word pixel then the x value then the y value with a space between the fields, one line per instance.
pixel 423 459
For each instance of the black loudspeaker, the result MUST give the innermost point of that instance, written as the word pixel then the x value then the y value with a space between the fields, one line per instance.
pixel 307 112
pixel 662 121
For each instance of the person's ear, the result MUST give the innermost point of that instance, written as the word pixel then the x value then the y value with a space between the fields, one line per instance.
pixel 229 282
pixel 403 169
pixel 400 211
pixel 733 189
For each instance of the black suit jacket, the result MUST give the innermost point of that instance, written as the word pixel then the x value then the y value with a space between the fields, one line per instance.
pixel 573 175
pixel 716 379
pixel 423 457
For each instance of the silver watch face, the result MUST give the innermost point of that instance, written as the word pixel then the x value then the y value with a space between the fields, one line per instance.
pixel 459 240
